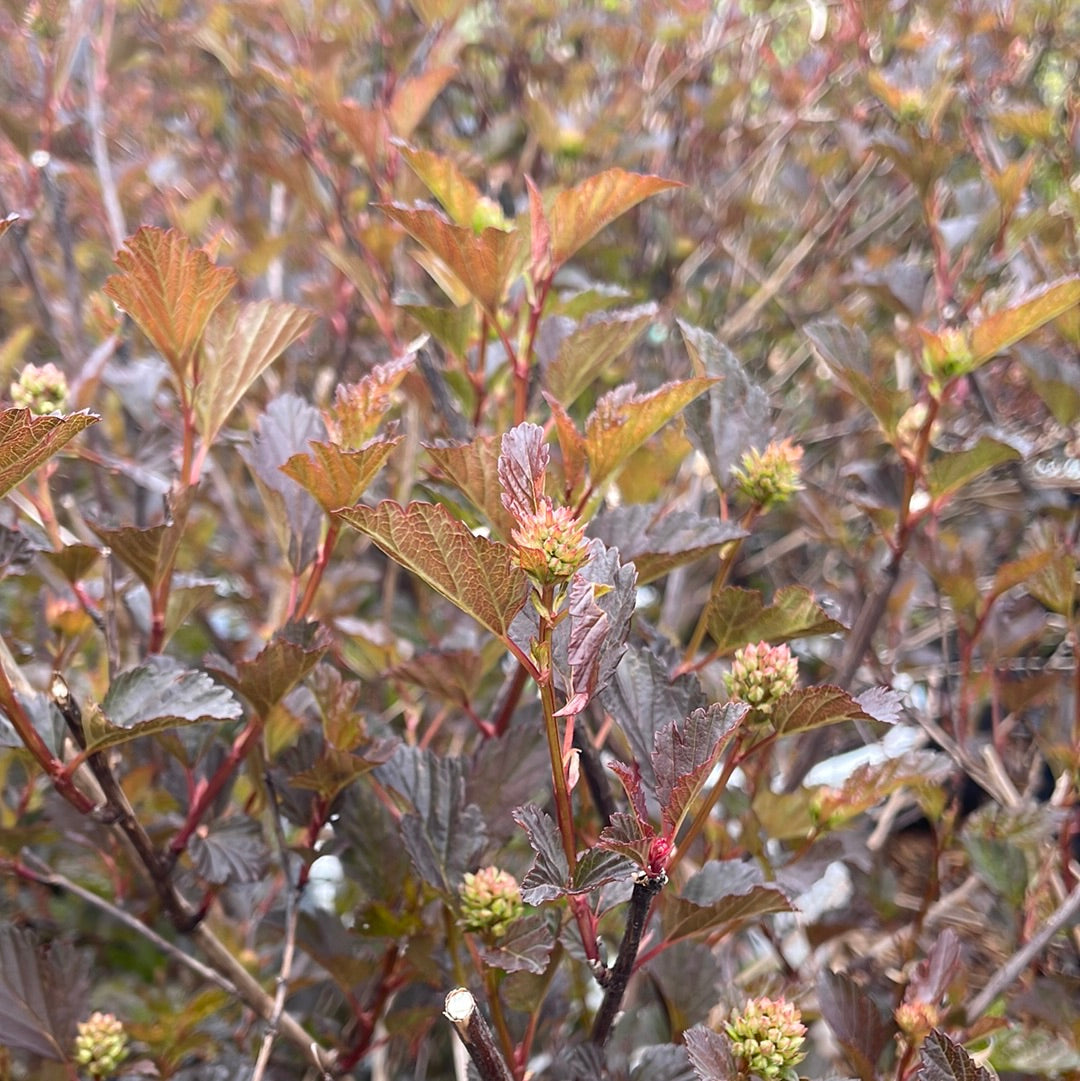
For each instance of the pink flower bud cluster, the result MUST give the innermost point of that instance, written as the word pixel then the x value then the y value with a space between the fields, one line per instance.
pixel 551 544
pixel 101 1045
pixel 761 674
pixel 767 1037
pixel 42 389
pixel 490 902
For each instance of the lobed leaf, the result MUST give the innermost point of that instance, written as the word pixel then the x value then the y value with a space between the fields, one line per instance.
pixel 139 549
pixel 414 96
pixel 475 574
pixel 942 1059
pixel 549 874
pixel 623 420
pixel 590 350
pixel 482 262
pixel 456 193
pixel 627 835
pixel 578 214
pixel 523 462
pixel 710 1054
pixel 156 696
pixel 28 440
pixel 685 754
pixel 685 919
pixel 808 708
pixel 230 852
pixel 737 617
pixel 279 665
pixel 599 867
pixel 170 290
pixel 526 946
pixel 336 477
pixel 857 1022
pixel 240 342
pixel 473 468
pixel 997 332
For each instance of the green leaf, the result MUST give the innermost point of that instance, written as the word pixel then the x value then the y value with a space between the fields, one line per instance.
pixel 737 617
pixel 578 214
pixel 950 472
pixel 483 262
pixel 476 574
pixel 27 440
pixel 1055 585
pixel 942 1059
pixel 453 328
pixel 456 193
pixel 815 707
pixel 240 342
pixel 590 349
pixel 685 755
pixel 170 290
pixel 1004 328
pixel 43 994
pixel 623 420
pixel 155 697
pixel 337 477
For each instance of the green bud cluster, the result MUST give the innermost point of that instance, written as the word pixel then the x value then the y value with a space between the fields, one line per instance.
pixel 490 902
pixel 761 674
pixel 101 1044
pixel 40 389
pixel 767 1037
pixel 769 477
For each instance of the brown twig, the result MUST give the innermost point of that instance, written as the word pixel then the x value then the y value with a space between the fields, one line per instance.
pixel 463 1012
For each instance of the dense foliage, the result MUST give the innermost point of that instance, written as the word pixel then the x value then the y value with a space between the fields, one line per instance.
pixel 561 513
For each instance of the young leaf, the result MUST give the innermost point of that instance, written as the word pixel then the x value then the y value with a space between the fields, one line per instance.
pixel 628 835
pixel 591 349
pixel 950 472
pixel 337 477
pixel 526 946
pixel 539 235
pixel 240 342
pixel 279 666
pixel 734 415
pixel 686 752
pixel 334 770
pixel 623 420
pixel 482 262
pixel 548 877
pixel 643 699
pixel 855 1019
pixel 26 441
pixel 286 429
pixel 471 572
pixel 710 1054
pixel 939 969
pixel 997 332
pixel 414 96
pixel 473 468
pixel 43 994
pixel 154 697
pixel 657 543
pixel 882 703
pixel 170 290
pixel 453 328
pixel 231 852
pixel 942 1059
pixel 456 193
pixel 599 867
pixel 578 214
pixel 572 448
pixel 738 616
pixel 523 462
pixel 815 707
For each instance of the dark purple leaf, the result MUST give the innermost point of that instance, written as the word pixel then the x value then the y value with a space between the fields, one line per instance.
pixel 278 666
pixel 231 852
pixel 684 918
pixel 661 1062
pixel 599 867
pixel 718 879
pixel 941 1059
pixel 525 947
pixel 629 836
pixel 684 755
pixel 523 462
pixel 710 1054
pixel 855 1019
pixel 16 552
pixel 644 700
pixel 734 415
pixel 43 994
pixel 937 970
pixel 550 873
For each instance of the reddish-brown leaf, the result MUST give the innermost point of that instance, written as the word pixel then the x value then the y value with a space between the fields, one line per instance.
pixel 483 262
pixel 338 477
pixel 473 468
pixel 413 97
pixel 456 193
pixel 27 440
pixel 170 289
pixel 523 462
pixel 815 707
pixel 474 573
pixel 580 213
pixel 240 342
pixel 360 407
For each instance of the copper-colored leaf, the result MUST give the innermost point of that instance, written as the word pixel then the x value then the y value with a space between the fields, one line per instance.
pixel 590 349
pixel 359 408
pixel 337 477
pixel 476 574
pixel 815 707
pixel 278 666
pixel 413 97
pixel 523 462
pixel 456 193
pixel 1002 329
pixel 240 342
pixel 27 440
pixel 737 617
pixel 473 468
pixel 482 262
pixel 580 213
pixel 170 289
pixel 623 420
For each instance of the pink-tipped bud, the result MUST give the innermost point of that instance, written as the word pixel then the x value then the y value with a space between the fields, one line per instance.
pixel 551 544
pixel 767 1037
pixel 761 674
pixel 490 902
